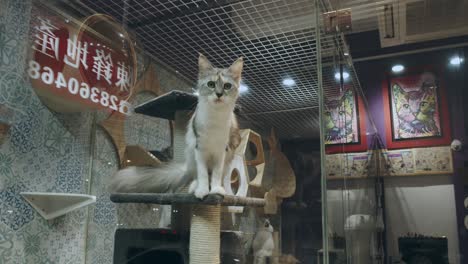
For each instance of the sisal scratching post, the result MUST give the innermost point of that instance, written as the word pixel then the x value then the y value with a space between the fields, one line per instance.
pixel 205 238
pixel 180 220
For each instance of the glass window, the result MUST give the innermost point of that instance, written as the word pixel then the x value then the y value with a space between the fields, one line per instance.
pixel 265 131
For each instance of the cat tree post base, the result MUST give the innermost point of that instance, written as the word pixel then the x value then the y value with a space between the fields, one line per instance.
pixel 205 239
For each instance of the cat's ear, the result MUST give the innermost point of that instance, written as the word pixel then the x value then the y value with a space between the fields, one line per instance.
pixel 236 69
pixel 428 87
pixel 397 91
pixel 204 64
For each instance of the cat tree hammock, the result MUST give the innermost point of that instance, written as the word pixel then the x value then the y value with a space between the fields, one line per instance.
pixel 205 224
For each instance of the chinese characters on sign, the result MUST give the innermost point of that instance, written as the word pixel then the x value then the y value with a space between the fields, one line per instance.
pixel 122 76
pixel 79 67
pixel 103 65
pixel 46 41
pixel 76 53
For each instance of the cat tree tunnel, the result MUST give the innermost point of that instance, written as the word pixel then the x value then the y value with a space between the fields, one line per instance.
pixel 205 215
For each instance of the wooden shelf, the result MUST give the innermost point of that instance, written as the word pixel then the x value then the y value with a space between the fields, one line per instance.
pixel 4 127
pixel 51 205
pixel 138 156
pixel 166 105
pixel 185 198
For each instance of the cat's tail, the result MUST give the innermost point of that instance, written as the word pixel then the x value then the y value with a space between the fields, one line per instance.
pixel 169 177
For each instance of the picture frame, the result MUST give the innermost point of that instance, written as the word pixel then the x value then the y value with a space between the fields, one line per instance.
pixel 355 139
pixel 416 109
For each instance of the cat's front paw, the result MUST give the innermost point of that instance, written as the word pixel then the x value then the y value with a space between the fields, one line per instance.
pixel 201 192
pixel 193 186
pixel 218 190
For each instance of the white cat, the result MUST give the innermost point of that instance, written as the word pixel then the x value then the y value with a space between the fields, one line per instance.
pixel 263 244
pixel 211 138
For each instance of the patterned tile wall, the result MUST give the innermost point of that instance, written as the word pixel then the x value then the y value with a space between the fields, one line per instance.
pixel 51 152
pixel 44 151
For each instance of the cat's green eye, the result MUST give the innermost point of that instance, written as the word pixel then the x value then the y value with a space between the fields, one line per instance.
pixel 328 113
pixel 211 84
pixel 227 86
pixel 423 103
pixel 342 112
pixel 406 105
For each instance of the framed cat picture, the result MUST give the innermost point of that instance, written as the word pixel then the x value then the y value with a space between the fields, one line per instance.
pixel 416 111
pixel 344 121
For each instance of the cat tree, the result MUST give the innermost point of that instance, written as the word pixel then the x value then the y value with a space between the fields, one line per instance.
pixel 205 224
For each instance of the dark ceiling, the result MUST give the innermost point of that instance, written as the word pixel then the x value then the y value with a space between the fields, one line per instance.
pixel 276 38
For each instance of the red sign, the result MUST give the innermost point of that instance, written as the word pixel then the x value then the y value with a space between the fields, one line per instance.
pixel 80 68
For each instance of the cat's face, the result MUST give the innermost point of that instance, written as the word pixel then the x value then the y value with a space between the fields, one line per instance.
pixel 218 87
pixel 404 106
pixel 428 104
pixel 267 226
pixel 339 116
pixel 415 108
